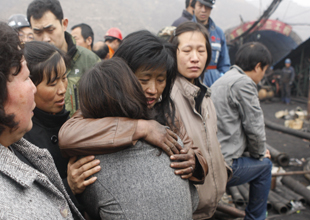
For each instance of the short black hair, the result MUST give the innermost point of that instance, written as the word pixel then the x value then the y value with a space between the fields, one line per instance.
pixel 43 59
pixel 86 31
pixel 102 52
pixel 142 49
pixel 193 3
pixel 252 53
pixel 10 57
pixel 37 8
pixel 187 3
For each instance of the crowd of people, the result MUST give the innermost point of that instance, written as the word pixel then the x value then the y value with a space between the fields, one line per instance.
pixel 140 127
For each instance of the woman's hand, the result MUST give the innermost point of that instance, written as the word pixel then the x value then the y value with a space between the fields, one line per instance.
pixel 158 135
pixel 79 171
pixel 187 162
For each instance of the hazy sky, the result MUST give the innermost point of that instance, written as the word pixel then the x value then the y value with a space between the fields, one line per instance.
pixel 264 2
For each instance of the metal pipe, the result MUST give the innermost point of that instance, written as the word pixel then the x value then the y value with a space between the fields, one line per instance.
pixel 277 205
pixel 291 173
pixel 296 187
pixel 286 192
pixel 237 197
pixel 296 133
pixel 236 213
pixel 244 191
pixel 281 198
pixel 281 158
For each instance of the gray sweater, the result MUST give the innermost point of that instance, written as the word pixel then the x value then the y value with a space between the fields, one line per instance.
pixel 138 183
pixel 32 193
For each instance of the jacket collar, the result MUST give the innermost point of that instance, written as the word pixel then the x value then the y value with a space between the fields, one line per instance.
pixel 189 89
pixel 15 169
pixel 238 69
pixel 51 120
pixel 210 26
pixel 187 15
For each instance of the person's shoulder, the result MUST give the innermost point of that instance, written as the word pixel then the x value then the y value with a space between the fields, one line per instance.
pixel 179 21
pixel 88 53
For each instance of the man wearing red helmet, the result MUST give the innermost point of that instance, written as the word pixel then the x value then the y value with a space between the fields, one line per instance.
pixel 113 38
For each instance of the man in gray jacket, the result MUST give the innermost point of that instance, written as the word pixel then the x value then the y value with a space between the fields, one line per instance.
pixel 241 125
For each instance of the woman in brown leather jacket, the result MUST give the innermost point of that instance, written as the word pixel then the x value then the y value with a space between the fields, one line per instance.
pixel 153 62
pixel 137 182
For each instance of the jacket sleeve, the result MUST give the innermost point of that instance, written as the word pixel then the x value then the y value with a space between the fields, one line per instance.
pixel 223 64
pixel 201 168
pixel 79 136
pixel 252 119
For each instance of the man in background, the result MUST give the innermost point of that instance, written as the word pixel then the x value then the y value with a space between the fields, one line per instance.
pixel 113 38
pixel 21 25
pixel 83 35
pixel 287 79
pixel 49 25
pixel 187 14
pixel 220 62
pixel 241 126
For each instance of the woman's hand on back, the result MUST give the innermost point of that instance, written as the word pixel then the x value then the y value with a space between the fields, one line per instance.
pixel 158 135
pixel 79 171
pixel 186 163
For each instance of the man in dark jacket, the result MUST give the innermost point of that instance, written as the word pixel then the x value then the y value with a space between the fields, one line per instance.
pixel 49 25
pixel 287 78
pixel 187 14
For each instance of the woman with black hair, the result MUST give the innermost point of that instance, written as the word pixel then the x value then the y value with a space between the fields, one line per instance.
pixel 47 65
pixel 193 99
pixel 153 62
pixel 137 182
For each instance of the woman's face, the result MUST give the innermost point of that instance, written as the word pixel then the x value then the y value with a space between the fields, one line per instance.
pixel 191 54
pixel 51 97
pixel 153 83
pixel 20 100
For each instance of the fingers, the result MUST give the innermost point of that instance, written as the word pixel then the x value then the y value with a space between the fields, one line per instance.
pixel 172 137
pixel 167 149
pixel 185 173
pixel 79 171
pixel 79 163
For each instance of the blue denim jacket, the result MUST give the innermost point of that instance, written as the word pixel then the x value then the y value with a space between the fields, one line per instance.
pixel 220 57
pixel 240 118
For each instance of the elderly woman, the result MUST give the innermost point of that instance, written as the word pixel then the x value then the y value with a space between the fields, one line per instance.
pixel 30 186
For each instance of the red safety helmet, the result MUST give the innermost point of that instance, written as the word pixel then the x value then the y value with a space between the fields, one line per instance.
pixel 114 32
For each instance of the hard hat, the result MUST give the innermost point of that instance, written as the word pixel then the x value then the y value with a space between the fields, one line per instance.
pixel 287 60
pixel 17 21
pixel 208 3
pixel 114 32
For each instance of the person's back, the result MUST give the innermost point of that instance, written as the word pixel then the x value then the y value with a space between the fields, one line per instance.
pixel 137 183
pixel 241 125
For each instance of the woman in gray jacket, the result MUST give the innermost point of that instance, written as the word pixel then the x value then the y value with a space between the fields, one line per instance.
pixel 137 182
pixel 30 186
